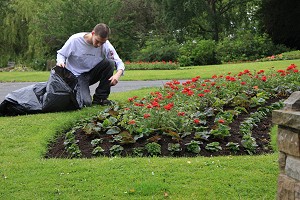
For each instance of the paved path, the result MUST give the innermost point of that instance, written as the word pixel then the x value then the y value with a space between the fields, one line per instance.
pixel 122 86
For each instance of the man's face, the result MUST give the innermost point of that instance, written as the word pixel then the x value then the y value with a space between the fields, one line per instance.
pixel 97 40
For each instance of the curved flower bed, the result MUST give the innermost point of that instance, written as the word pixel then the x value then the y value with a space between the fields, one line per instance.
pixel 219 116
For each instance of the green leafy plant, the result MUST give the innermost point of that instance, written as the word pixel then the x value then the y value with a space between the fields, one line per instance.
pixel 214 146
pixel 153 148
pixel 138 151
pixel 249 143
pixel 174 147
pixel 98 151
pixel 96 142
pixel 116 150
pixel 71 145
pixel 194 146
pixel 233 146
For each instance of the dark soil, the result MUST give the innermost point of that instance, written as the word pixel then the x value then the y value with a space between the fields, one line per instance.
pixel 261 133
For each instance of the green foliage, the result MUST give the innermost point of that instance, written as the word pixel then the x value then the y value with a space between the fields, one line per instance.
pixel 213 146
pixel 290 55
pixel 71 145
pixel 174 147
pixel 97 151
pixel 116 150
pixel 194 146
pixel 245 46
pixel 158 49
pixel 153 148
pixel 233 146
pixel 197 52
pixel 138 151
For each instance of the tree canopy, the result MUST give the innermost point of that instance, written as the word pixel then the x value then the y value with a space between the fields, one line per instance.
pixel 32 31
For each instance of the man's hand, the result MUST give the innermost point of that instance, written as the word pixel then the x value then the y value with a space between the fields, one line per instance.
pixel 115 78
pixel 61 65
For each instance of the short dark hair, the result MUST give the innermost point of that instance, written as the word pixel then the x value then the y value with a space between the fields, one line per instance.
pixel 102 30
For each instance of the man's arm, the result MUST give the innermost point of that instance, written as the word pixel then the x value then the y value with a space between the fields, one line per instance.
pixel 115 78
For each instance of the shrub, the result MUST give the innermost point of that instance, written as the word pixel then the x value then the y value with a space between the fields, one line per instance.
pixel 198 52
pixel 158 49
pixel 153 148
pixel 245 46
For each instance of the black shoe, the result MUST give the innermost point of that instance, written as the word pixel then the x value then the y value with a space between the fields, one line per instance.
pixel 102 102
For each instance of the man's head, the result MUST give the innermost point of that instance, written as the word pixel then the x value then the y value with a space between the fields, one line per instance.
pixel 100 34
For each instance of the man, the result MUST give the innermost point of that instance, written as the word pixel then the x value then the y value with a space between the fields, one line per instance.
pixel 92 58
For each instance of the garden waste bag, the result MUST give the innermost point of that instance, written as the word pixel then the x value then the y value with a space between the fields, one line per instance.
pixel 57 94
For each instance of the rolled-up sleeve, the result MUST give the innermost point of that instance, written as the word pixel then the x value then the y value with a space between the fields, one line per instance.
pixel 112 54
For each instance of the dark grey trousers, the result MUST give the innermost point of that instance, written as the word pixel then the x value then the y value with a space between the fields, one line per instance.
pixel 101 72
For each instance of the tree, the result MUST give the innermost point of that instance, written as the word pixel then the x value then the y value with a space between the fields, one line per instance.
pixel 280 19
pixel 207 18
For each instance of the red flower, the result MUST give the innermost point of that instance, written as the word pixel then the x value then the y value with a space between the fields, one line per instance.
pixel 131 122
pixel 196 121
pixel 201 95
pixel 264 78
pixel 190 93
pixel 232 79
pixel 292 66
pixel 243 83
pixel 255 87
pixel 155 104
pixel 169 106
pixel 181 113
pixel 221 121
pixel 194 79
pixel 147 115
pixel 260 71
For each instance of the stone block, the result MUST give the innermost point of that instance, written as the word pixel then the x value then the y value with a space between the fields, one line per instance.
pixel 287 118
pixel 286 188
pixel 297 191
pixel 288 142
pixel 281 162
pixel 293 102
pixel 292 167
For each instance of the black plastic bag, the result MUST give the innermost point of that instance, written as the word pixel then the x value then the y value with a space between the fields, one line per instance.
pixel 57 94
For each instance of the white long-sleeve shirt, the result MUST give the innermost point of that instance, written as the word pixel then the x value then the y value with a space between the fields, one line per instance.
pixel 80 56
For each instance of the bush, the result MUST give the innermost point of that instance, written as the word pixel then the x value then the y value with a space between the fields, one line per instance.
pixel 198 52
pixel 158 49
pixel 246 46
pixel 291 55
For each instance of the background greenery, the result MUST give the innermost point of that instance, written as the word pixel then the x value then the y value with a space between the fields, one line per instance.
pixel 193 32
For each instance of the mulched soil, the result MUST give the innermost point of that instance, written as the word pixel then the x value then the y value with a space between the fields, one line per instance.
pixel 259 132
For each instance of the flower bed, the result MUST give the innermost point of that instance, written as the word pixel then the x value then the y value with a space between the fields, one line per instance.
pixel 224 115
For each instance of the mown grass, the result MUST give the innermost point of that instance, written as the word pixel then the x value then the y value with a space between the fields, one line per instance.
pixel 25 174
pixel 183 73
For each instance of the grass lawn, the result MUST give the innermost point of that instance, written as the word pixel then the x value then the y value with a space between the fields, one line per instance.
pixel 183 73
pixel 25 174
